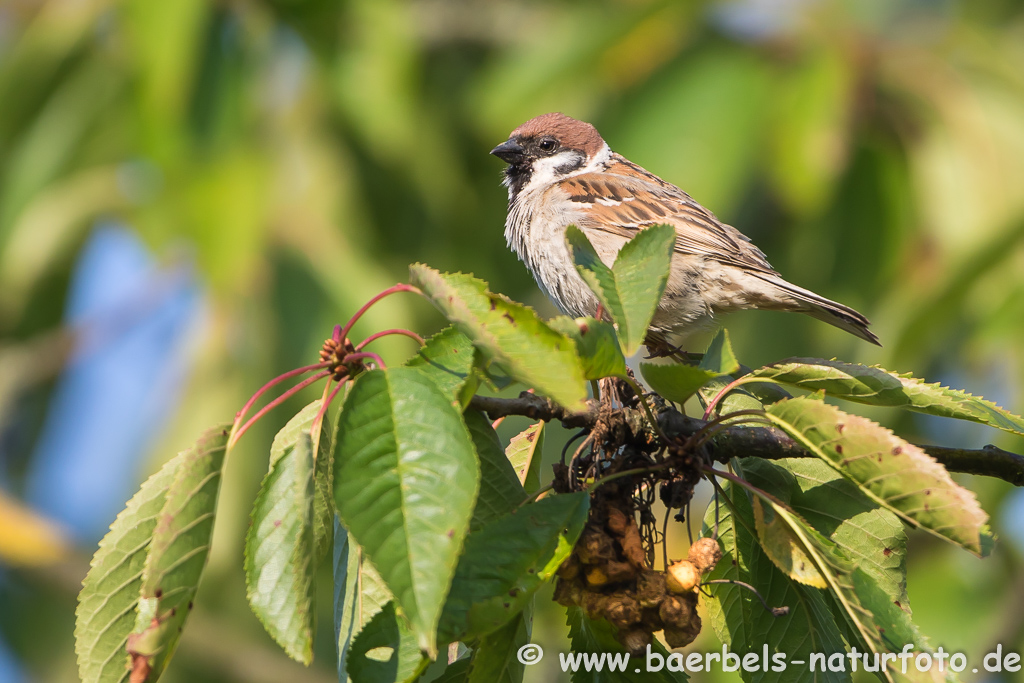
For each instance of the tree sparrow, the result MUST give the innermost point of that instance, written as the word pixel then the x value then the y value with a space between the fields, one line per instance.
pixel 561 172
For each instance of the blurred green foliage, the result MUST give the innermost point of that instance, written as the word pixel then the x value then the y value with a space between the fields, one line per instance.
pixel 304 152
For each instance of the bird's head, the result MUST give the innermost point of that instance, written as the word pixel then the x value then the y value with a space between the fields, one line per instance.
pixel 547 148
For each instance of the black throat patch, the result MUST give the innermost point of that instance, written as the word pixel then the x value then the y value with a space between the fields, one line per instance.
pixel 518 176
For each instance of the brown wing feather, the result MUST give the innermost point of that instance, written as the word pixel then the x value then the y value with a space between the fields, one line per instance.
pixel 626 198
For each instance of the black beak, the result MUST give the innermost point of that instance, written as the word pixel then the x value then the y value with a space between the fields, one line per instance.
pixel 510 152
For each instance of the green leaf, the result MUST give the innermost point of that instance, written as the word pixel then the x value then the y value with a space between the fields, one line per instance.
pixel 875 386
pixel 177 554
pixel 525 451
pixel 324 512
pixel 719 358
pixel 495 658
pixel 873 620
pixel 457 672
pixel 868 533
pixel 500 490
pixel 359 596
pixel 675 382
pixel 507 561
pixel 280 552
pixel 631 289
pixel 323 472
pixel 596 344
pixel 591 637
pixel 765 392
pixel 739 618
pixel 363 596
pixel 385 651
pixel 493 376
pixel 347 622
pixel 780 544
pixel 507 333
pixel 107 605
pixel 406 479
pixel 895 474
pixel 448 360
pixel 740 398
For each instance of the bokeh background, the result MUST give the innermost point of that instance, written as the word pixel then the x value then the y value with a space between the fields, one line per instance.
pixel 193 192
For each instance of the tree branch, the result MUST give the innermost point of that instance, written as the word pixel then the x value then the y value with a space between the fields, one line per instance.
pixel 734 442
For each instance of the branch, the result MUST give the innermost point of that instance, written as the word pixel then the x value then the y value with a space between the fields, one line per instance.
pixel 734 442
pixel 534 407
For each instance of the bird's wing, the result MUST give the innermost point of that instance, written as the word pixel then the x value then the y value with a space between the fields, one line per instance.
pixel 626 198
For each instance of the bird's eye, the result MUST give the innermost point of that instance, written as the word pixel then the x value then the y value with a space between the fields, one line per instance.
pixel 548 145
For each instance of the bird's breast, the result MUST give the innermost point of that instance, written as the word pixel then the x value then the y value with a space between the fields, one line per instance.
pixel 535 231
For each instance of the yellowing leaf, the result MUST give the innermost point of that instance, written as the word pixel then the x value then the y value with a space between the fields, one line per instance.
pixel 524 452
pixel 878 387
pixel 631 289
pixel 783 549
pixel 899 476
pixel 507 333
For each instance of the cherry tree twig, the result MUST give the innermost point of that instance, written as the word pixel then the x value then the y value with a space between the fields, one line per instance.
pixel 734 441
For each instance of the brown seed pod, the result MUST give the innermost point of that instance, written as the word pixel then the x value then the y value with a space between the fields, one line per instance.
pixel 650 588
pixel 705 554
pixel 651 620
pixel 595 546
pixel 596 577
pixel 635 640
pixel 681 637
pixel 617 522
pixel 677 611
pixel 595 605
pixel 569 569
pixel 633 547
pixel 568 593
pixel 619 572
pixel 682 577
pixel 622 610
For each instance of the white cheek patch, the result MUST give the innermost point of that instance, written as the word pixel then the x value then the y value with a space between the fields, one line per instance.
pixel 547 171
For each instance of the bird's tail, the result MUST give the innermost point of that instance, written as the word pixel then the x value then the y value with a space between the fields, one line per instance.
pixel 826 310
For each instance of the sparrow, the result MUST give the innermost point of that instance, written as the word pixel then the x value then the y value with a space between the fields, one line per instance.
pixel 561 172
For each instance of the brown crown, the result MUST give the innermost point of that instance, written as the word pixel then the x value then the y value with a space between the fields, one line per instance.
pixel 571 133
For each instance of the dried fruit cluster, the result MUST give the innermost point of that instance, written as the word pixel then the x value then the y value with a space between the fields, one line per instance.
pixel 608 576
